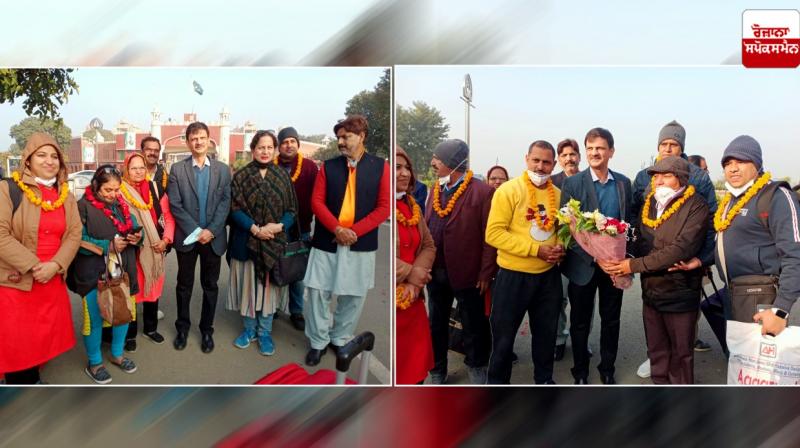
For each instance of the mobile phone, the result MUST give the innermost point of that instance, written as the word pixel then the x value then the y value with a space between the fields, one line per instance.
pixel 133 230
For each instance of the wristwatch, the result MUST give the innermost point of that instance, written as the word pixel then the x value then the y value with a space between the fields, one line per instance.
pixel 780 313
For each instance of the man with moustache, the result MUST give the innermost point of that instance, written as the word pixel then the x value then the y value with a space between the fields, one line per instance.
pixel 351 198
pixel 569 157
pixel 522 226
pixel 456 214
pixel 597 188
pixel 672 142
pixel 303 173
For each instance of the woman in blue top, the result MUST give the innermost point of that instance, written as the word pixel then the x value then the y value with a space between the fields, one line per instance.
pixel 263 208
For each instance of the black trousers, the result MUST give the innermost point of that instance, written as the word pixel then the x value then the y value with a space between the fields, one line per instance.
pixel 514 294
pixel 477 339
pixel 27 376
pixel 209 275
pixel 581 299
pixel 149 318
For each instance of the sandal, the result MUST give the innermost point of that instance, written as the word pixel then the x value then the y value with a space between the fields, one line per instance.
pixel 126 365
pixel 100 376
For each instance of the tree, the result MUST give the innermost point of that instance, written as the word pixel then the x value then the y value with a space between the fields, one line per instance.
pixel 375 106
pixel 419 129
pixel 105 133
pixel 22 131
pixel 41 88
pixel 328 152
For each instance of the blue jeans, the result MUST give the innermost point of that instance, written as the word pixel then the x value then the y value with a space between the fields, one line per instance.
pixel 296 289
pixel 259 325
pixel 93 341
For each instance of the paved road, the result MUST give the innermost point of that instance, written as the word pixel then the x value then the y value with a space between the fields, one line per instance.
pixel 709 367
pixel 162 364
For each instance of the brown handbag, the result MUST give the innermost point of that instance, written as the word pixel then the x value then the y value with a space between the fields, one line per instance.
pixel 114 292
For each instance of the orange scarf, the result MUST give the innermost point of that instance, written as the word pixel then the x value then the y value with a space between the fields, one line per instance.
pixel 347 214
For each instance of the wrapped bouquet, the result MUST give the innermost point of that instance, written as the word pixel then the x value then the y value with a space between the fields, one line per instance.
pixel 601 237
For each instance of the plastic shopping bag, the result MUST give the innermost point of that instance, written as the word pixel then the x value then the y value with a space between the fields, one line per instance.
pixel 762 360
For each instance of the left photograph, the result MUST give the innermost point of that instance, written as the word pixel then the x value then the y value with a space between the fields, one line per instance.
pixel 195 226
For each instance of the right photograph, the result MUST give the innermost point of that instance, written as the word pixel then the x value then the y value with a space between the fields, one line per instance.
pixel 596 226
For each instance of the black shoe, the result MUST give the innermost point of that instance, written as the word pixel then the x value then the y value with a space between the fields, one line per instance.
pixel 180 341
pixel 700 346
pixel 130 346
pixel 549 382
pixel 155 337
pixel 608 379
pixel 582 380
pixel 207 343
pixel 313 356
pixel 334 348
pixel 298 321
pixel 514 358
pixel 559 354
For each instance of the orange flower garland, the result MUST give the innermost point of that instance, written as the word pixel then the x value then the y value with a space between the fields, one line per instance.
pixel 45 205
pixel 415 216
pixel 134 202
pixel 297 170
pixel 654 223
pixel 403 298
pixel 452 202
pixel 551 206
pixel 722 222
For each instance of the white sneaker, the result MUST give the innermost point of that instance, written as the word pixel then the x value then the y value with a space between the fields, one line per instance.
pixel 644 369
pixel 160 314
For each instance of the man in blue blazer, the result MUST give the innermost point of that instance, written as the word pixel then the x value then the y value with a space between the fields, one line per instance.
pixel 597 188
pixel 199 193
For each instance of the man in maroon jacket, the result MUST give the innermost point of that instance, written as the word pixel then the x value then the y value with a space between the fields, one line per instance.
pixel 303 174
pixel 456 213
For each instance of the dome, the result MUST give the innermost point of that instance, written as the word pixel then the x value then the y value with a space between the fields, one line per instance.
pixel 96 123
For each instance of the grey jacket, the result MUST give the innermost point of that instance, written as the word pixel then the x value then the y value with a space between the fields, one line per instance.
pixel 183 203
pixel 579 266
pixel 750 248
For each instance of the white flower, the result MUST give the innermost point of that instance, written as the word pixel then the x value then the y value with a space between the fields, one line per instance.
pixel 588 215
pixel 599 220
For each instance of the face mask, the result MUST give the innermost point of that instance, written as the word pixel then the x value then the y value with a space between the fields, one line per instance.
pixel 46 183
pixel 736 192
pixel 444 180
pixel 663 195
pixel 538 179
pixel 399 195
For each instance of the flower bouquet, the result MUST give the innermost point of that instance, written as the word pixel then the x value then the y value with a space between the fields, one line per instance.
pixel 601 237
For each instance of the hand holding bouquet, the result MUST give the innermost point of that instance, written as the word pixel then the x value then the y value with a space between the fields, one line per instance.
pixel 601 237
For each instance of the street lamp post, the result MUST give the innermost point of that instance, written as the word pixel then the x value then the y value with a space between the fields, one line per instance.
pixel 466 96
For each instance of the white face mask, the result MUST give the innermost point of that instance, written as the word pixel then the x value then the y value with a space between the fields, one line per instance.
pixel 664 194
pixel 46 182
pixel 399 195
pixel 444 180
pixel 538 179
pixel 736 192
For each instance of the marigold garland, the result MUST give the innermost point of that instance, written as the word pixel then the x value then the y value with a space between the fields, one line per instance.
pixel 296 174
pixel 123 228
pixel 403 298
pixel 721 223
pixel 134 202
pixel 415 215
pixel 654 223
pixel 437 207
pixel 551 208
pixel 31 195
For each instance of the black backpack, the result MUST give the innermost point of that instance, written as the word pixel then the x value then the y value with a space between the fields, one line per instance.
pixel 765 200
pixel 15 193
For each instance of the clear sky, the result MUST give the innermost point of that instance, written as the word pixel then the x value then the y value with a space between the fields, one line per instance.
pixel 517 105
pixel 310 99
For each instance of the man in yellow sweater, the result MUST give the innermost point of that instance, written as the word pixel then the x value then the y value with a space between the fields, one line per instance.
pixel 522 226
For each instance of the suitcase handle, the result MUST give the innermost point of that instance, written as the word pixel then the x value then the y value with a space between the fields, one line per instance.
pixel 364 342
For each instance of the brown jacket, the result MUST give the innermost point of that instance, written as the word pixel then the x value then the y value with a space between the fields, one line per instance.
pixel 426 253
pixel 467 255
pixel 19 234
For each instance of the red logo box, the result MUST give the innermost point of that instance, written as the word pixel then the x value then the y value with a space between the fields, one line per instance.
pixel 771 38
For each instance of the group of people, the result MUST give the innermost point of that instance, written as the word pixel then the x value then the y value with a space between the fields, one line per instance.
pixel 494 248
pixel 131 218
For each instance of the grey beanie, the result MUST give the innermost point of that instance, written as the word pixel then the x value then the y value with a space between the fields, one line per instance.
pixel 744 148
pixel 675 165
pixel 288 132
pixel 675 131
pixel 452 153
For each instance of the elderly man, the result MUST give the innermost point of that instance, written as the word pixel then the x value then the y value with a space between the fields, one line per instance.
pixel 456 213
pixel 758 233
pixel 522 226
pixel 350 200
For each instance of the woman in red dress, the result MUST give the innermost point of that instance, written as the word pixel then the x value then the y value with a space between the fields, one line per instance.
pixel 415 255
pixel 38 240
